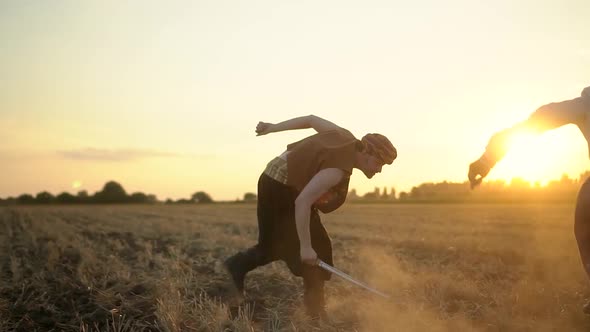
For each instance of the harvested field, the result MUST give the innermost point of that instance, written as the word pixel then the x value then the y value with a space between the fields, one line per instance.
pixel 156 268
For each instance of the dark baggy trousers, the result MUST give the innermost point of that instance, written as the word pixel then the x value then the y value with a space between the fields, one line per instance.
pixel 278 240
pixel 582 224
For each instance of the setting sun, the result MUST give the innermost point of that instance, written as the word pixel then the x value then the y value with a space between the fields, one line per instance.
pixel 539 159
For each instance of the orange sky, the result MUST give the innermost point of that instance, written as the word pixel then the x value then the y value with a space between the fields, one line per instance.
pixel 164 97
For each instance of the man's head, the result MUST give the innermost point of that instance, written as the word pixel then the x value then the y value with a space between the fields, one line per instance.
pixel 376 151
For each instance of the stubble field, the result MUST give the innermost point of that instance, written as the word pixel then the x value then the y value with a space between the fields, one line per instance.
pixel 156 268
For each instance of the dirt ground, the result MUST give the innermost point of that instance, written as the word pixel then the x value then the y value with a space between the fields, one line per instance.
pixel 156 268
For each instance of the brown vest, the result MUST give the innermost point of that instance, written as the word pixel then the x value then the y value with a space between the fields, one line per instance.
pixel 329 149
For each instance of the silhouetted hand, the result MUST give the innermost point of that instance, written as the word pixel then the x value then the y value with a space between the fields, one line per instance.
pixel 477 171
pixel 263 128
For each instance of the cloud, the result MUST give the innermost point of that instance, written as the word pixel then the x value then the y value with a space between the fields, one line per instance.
pixel 95 154
pixel 19 154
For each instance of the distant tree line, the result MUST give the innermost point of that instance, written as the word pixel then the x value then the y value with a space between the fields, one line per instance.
pixel 200 197
pixel 376 195
pixel 111 193
pixel 517 190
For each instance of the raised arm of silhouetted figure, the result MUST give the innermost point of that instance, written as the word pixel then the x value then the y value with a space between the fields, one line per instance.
pixel 302 122
pixel 546 117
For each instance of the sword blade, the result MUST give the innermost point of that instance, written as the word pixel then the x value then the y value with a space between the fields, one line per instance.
pixel 345 276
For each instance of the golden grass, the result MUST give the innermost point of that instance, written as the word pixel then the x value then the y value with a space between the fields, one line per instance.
pixel 156 268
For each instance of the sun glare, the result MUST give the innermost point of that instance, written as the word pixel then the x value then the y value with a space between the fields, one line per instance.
pixel 76 184
pixel 539 159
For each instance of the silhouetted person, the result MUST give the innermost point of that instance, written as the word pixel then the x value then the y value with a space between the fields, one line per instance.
pixel 311 175
pixel 575 111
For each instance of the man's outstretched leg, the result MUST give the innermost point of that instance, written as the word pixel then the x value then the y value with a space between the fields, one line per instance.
pixel 268 209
